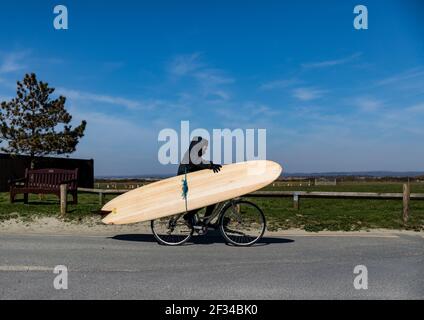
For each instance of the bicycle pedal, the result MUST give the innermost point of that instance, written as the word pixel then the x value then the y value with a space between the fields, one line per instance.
pixel 201 232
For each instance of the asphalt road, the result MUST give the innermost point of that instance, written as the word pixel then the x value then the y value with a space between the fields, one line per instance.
pixel 136 267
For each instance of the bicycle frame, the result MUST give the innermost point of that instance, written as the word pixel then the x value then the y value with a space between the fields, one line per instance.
pixel 216 212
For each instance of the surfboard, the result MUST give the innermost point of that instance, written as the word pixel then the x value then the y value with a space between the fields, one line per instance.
pixel 165 197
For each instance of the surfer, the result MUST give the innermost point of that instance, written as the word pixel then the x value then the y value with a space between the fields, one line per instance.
pixel 193 161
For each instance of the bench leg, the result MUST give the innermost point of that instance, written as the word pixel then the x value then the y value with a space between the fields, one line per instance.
pixel 12 197
pixel 75 198
pixel 26 198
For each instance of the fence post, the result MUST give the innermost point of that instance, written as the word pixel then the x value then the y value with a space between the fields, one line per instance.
pixel 101 198
pixel 406 199
pixel 296 201
pixel 63 199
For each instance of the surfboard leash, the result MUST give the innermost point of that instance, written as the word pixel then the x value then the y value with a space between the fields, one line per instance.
pixel 185 188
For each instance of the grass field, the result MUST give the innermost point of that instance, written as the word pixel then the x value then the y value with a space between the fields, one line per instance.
pixel 343 214
pixel 313 215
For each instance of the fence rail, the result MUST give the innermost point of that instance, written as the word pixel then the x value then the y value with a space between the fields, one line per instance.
pixel 324 194
pixel 303 194
pixel 296 195
pixel 105 191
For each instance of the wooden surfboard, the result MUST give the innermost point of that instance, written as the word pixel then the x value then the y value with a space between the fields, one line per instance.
pixel 164 198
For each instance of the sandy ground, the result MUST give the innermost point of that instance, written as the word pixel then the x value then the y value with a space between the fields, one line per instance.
pixel 88 226
pixel 94 226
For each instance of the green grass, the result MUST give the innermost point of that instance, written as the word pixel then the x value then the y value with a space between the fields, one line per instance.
pixel 48 206
pixel 313 214
pixel 344 214
pixel 340 214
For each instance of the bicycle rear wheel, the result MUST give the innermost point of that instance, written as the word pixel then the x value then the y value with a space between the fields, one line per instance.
pixel 171 231
pixel 242 223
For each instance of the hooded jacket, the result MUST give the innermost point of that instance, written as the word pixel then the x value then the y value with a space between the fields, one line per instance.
pixel 192 160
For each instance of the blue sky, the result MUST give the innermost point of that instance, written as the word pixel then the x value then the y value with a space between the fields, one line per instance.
pixel 332 98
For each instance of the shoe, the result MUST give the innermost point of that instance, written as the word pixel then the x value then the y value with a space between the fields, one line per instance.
pixel 212 225
pixel 190 220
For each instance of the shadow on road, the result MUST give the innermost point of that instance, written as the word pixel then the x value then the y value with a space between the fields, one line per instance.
pixel 210 238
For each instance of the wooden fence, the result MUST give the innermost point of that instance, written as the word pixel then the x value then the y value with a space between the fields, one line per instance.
pixel 406 196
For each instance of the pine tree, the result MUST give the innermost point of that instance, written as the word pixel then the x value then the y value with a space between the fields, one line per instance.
pixel 35 124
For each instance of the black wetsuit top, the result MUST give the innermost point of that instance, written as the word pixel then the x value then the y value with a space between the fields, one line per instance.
pixel 200 163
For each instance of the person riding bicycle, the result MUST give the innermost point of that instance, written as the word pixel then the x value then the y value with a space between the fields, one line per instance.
pixel 193 161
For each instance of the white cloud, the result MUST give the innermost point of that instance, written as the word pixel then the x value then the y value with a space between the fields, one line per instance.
pixel 190 65
pixel 402 77
pixel 249 114
pixel 368 104
pixel 279 84
pixel 212 77
pixel 184 64
pixel 258 109
pixel 5 98
pixel 331 63
pixel 126 150
pixel 221 94
pixel 12 62
pixel 418 108
pixel 87 96
pixel 308 94
pixel 209 82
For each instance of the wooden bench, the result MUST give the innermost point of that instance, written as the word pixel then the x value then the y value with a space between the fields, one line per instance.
pixel 45 181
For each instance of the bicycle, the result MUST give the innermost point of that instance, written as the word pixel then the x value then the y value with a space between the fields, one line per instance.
pixel 241 223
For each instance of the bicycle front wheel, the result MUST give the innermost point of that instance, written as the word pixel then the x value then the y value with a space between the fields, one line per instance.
pixel 171 231
pixel 242 223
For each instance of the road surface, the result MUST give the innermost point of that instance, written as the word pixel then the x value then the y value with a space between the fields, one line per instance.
pixel 134 266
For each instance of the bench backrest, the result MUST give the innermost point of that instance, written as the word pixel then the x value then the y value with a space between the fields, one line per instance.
pixel 50 178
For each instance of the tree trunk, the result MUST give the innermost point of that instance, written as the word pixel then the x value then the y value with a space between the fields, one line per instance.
pixel 32 163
